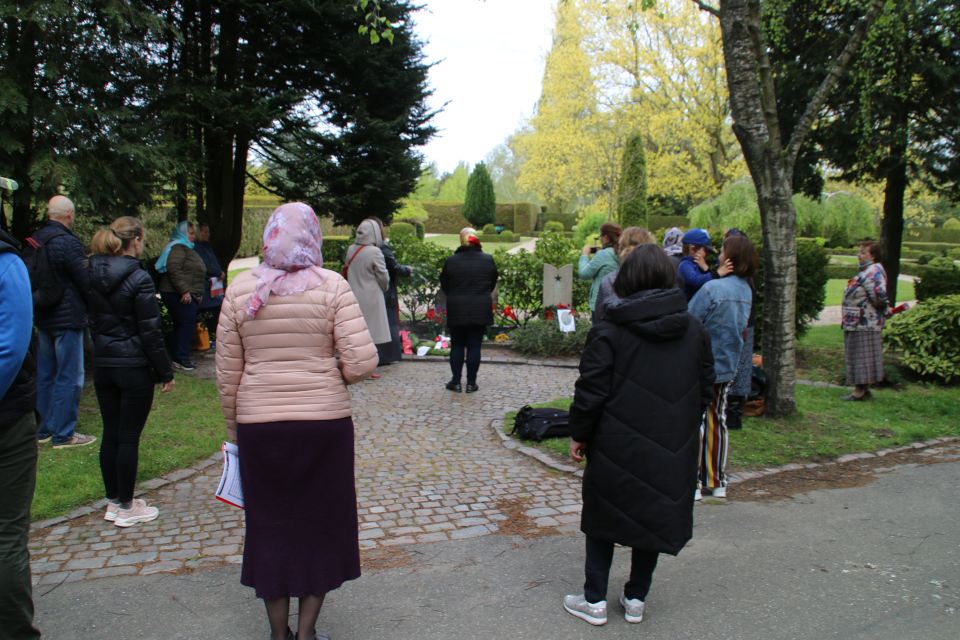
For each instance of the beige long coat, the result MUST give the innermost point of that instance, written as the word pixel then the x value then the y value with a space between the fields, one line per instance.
pixel 280 366
pixel 369 278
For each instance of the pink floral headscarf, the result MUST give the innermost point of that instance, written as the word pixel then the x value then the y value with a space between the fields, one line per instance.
pixel 291 255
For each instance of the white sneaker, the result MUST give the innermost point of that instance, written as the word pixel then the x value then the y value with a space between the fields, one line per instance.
pixel 595 614
pixel 633 609
pixel 720 492
pixel 138 512
pixel 112 508
pixel 697 495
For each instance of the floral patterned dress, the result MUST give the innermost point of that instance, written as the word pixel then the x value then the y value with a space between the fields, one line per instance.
pixel 865 308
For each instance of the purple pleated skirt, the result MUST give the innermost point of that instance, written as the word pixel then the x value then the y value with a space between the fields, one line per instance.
pixel 301 507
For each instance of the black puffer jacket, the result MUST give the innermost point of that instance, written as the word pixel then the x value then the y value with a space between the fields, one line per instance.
pixel 69 263
pixel 646 376
pixel 125 316
pixel 468 278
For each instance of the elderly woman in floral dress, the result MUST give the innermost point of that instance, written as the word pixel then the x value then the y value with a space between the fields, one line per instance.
pixel 865 308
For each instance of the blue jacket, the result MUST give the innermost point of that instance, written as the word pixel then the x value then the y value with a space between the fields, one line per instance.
pixel 690 278
pixel 723 306
pixel 69 263
pixel 18 363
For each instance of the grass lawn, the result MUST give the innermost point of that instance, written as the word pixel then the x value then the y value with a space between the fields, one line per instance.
pixel 186 425
pixel 452 241
pixel 826 427
pixel 233 274
pixel 835 289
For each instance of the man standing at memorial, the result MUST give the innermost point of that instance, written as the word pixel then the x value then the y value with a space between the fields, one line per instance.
pixel 61 327
pixel 18 442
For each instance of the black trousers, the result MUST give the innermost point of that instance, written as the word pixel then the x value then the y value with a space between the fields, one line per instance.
pixel 18 475
pixel 597 570
pixel 125 395
pixel 467 338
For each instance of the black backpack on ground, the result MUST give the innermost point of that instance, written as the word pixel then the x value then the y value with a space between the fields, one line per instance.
pixel 537 424
pixel 47 291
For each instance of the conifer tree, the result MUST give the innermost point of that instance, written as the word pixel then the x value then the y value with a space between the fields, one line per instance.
pixel 632 190
pixel 480 206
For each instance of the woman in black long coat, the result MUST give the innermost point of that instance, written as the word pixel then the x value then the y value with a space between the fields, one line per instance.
pixel 392 351
pixel 646 377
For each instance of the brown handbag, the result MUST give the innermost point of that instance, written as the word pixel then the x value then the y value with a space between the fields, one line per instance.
pixel 347 266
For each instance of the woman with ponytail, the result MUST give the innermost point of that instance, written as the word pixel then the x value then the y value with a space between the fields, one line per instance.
pixel 129 357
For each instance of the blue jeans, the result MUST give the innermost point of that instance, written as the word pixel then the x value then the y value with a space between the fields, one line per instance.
pixel 184 318
pixel 59 382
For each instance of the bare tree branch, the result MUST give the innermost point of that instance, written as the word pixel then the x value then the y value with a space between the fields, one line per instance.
pixel 816 103
pixel 707 8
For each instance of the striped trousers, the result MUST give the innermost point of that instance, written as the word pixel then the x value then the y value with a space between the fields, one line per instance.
pixel 714 439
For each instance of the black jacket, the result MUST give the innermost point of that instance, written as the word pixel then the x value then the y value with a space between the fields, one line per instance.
pixel 21 397
pixel 468 278
pixel 125 316
pixel 69 263
pixel 396 270
pixel 646 377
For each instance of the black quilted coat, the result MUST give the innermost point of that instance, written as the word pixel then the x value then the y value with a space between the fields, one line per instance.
pixel 646 377
pixel 125 316
pixel 468 278
pixel 68 260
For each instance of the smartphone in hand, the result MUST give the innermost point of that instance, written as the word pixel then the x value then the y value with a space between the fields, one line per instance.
pixel 594 249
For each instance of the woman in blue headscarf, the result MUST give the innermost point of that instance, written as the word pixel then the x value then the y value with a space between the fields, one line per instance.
pixel 182 275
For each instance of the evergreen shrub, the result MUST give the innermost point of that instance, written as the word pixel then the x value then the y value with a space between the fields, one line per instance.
pixel 941 263
pixel 544 338
pixel 925 258
pixel 952 223
pixel 480 204
pixel 506 236
pixel 928 336
pixel 935 282
pixel 632 206
pixel 334 250
pixel 489 229
pixel 553 226
pixel 421 229
pixel 954 254
pixel 402 230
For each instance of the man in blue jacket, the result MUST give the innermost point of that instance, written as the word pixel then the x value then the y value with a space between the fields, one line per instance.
pixel 18 441
pixel 60 354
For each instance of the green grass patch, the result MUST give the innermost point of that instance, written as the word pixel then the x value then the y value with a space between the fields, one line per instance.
pixel 185 425
pixel 826 427
pixel 233 274
pixel 835 289
pixel 452 241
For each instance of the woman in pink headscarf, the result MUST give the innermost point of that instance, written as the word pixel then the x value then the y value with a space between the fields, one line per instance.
pixel 287 407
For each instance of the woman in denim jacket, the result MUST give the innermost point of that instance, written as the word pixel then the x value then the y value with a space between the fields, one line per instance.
pixel 723 306
pixel 865 308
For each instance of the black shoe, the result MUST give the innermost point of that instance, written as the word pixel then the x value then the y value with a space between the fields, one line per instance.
pixel 472 387
pixel 850 396
pixel 185 365
pixel 454 386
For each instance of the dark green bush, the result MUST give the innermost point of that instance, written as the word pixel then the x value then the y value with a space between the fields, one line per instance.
pixel 402 230
pixel 925 258
pixel 928 337
pixel 489 229
pixel 545 339
pixel 941 263
pixel 421 229
pixel 334 249
pixel 418 293
pixel 506 236
pixel 812 278
pixel 954 254
pixel 935 282
pixel 567 219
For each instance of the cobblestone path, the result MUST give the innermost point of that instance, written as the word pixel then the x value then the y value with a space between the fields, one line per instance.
pixel 428 468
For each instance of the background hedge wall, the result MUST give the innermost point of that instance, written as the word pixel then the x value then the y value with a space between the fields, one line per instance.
pixel 667 222
pixel 445 217
pixel 932 247
pixel 931 234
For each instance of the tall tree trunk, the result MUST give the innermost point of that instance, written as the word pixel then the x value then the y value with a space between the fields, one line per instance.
pixel 22 48
pixel 764 157
pixel 891 229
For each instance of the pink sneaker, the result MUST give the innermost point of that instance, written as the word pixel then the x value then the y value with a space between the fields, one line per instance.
pixel 138 512
pixel 112 509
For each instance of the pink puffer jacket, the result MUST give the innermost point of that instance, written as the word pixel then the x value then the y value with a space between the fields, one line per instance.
pixel 280 366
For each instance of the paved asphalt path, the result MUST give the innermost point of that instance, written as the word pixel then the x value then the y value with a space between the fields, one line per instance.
pixel 877 562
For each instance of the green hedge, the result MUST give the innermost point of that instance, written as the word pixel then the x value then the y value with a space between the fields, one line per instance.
pixel 402 230
pixel 931 234
pixel 421 229
pixel 910 268
pixel 928 337
pixel 567 219
pixel 841 271
pixel 934 247
pixel 334 249
pixel 489 229
pixel 445 217
pixel 936 282
pixel 667 222
pixel 507 236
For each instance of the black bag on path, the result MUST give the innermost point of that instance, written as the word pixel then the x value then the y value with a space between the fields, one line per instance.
pixel 537 424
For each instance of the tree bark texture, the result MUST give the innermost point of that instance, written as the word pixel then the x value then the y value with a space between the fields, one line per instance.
pixel 764 157
pixel 891 229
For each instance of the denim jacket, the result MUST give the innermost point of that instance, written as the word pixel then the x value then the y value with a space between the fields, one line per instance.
pixel 723 306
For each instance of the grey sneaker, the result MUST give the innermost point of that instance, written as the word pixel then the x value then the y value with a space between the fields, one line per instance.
pixel 633 609
pixel 77 440
pixel 138 512
pixel 595 614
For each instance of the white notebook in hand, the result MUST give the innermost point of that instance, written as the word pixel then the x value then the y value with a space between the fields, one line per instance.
pixel 230 490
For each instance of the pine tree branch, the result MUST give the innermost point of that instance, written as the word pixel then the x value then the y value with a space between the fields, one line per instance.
pixel 833 77
pixel 705 7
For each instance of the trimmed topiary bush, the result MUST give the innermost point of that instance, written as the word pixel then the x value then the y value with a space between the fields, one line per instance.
pixel 632 190
pixel 553 226
pixel 935 282
pixel 952 223
pixel 928 336
pixel 421 229
pixel 402 230
pixel 480 204
pixel 506 236
pixel 489 229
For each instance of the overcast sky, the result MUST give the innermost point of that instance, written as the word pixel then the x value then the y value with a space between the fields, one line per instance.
pixel 489 66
